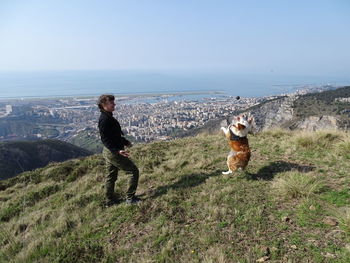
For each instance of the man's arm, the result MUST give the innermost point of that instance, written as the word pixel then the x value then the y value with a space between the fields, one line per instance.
pixel 126 142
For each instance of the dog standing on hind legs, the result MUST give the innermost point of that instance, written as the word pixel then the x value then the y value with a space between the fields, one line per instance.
pixel 236 133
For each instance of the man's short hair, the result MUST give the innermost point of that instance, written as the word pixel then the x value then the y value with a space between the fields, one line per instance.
pixel 103 99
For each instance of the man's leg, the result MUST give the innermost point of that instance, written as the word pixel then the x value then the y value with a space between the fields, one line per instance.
pixel 132 171
pixel 111 176
pixel 125 164
pixel 134 174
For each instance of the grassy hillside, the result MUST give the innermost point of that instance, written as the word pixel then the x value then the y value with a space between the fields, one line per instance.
pixel 19 156
pixel 290 205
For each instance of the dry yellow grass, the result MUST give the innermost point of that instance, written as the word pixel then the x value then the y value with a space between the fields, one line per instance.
pixel 292 185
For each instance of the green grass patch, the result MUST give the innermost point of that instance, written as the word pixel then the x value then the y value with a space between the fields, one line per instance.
pixel 337 198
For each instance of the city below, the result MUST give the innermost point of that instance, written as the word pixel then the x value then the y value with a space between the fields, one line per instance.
pixel 144 118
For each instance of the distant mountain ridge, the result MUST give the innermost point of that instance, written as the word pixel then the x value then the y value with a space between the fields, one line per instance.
pixel 20 156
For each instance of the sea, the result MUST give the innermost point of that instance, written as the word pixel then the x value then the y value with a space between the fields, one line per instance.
pixel 188 85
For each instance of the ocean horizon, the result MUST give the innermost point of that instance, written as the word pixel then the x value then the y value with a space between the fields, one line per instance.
pixel 42 84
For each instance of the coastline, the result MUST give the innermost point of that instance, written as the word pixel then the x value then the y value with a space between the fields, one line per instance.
pixel 118 95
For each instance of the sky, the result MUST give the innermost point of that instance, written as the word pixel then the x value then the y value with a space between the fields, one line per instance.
pixel 260 37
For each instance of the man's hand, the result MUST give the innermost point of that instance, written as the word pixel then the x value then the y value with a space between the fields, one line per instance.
pixel 124 153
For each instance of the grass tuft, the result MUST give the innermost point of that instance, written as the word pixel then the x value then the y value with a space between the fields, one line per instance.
pixel 317 141
pixel 293 185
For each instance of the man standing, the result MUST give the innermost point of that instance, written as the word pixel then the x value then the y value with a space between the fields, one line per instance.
pixel 114 153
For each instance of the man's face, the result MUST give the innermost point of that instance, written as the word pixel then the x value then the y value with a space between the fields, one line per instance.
pixel 109 106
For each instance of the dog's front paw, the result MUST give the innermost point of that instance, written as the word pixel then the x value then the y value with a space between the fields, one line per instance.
pixel 228 172
pixel 225 130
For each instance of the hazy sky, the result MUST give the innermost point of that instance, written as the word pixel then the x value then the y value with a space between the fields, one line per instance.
pixel 262 36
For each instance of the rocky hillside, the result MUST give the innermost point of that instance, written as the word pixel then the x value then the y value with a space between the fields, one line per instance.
pixel 292 204
pixel 326 110
pixel 20 156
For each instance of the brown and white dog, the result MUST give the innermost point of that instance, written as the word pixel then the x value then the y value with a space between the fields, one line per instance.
pixel 237 133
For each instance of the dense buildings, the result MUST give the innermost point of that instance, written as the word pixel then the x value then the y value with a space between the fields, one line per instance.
pixel 145 121
pixel 155 117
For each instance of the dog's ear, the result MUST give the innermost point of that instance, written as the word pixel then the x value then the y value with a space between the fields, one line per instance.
pixel 238 118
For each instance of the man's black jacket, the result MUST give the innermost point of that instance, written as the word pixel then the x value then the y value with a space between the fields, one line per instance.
pixel 111 133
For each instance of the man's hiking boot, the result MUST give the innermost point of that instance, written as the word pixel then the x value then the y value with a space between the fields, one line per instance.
pixel 133 200
pixel 112 201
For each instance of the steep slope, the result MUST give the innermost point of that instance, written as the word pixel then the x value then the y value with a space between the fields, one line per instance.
pixel 290 205
pixel 314 111
pixel 20 156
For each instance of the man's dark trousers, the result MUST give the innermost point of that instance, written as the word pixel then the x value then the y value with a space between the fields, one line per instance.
pixel 114 163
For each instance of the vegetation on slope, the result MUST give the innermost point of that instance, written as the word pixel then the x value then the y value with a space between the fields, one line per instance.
pixel 88 139
pixel 10 127
pixel 23 127
pixel 20 156
pixel 290 205
pixel 324 103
